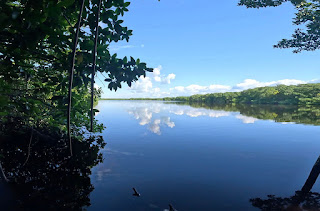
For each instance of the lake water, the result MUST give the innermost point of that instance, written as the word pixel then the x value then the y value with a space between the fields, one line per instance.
pixel 199 157
pixel 193 156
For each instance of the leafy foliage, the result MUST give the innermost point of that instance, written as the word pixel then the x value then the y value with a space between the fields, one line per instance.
pixel 308 15
pixel 36 42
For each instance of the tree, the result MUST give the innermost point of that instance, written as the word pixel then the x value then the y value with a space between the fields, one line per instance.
pixel 308 15
pixel 36 43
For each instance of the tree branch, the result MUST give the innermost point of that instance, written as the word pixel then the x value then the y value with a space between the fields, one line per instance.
pixel 71 74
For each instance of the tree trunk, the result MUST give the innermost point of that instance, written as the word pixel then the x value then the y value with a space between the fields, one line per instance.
pixel 312 177
pixel 71 75
pixel 94 63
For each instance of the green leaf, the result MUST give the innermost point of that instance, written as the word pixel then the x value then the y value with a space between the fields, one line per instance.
pixel 65 3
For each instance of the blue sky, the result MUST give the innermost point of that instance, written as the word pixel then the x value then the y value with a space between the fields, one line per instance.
pixel 210 46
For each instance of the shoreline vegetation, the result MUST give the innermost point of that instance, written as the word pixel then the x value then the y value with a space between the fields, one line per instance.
pixel 303 94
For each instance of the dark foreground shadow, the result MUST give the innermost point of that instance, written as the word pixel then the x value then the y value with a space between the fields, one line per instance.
pixel 40 175
pixel 303 199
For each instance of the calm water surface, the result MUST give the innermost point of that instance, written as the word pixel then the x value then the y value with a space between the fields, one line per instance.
pixel 196 158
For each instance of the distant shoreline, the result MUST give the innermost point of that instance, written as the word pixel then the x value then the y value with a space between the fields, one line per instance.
pixel 158 99
pixel 303 94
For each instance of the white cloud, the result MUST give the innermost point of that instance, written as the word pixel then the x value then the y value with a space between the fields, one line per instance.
pixel 315 81
pixel 179 88
pixel 150 85
pixel 167 80
pixel 251 83
pixel 157 78
pixel 156 71
pixel 289 82
pixel 96 86
pixel 156 90
pixel 117 48
pixel 246 84
pixel 216 87
pixel 144 84
pixel 197 89
pixel 162 78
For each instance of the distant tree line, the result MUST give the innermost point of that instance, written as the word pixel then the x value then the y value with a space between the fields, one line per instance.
pixel 304 94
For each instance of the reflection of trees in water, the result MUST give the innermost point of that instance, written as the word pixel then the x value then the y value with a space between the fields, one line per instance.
pixel 50 179
pixel 278 113
pixel 302 200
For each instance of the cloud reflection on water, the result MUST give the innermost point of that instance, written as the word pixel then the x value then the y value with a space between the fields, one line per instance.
pixel 156 115
pixel 246 119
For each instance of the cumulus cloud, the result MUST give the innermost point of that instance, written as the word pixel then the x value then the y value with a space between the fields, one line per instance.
pixel 314 81
pixel 167 79
pixel 251 83
pixel 156 73
pixel 197 89
pixel 144 84
pixel 246 84
pixel 158 77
